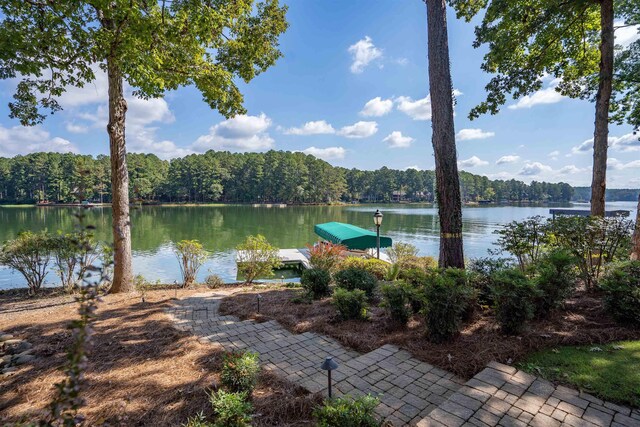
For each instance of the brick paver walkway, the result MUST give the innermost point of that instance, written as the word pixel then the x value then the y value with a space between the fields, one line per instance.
pixel 411 392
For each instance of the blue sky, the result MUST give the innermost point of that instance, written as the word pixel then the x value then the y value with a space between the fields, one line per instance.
pixel 352 88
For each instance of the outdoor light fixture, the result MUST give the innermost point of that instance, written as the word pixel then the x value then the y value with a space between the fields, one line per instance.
pixel 377 220
pixel 329 365
pixel 258 297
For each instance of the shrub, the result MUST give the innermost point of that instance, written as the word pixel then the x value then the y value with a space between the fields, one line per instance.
pixel 257 258
pixel 593 241
pixel 621 287
pixel 355 278
pixel 350 304
pixel 29 254
pixel 198 420
pixel 400 251
pixel 524 240
pixel 375 266
pixel 514 296
pixel 316 282
pixel 392 273
pixel 240 371
pixel 213 281
pixel 420 263
pixel 396 301
pixel 415 276
pixel 348 412
pixel 556 279
pixel 141 285
pixel 480 272
pixel 72 255
pixel 231 409
pixel 447 296
pixel 191 255
pixel 325 255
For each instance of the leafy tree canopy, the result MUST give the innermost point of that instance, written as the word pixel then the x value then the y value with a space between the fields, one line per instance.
pixel 156 45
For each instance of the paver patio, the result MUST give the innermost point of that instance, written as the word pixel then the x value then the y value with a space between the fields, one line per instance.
pixel 411 392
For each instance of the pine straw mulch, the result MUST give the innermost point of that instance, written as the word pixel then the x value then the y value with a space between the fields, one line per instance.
pixel 141 371
pixel 582 321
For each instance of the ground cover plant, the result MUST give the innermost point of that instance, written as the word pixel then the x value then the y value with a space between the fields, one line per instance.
pixel 610 371
pixel 348 412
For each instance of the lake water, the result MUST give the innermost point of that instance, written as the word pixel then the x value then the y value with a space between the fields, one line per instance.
pixel 221 228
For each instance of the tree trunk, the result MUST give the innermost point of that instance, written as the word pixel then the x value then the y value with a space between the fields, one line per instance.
pixel 122 270
pixel 443 138
pixel 603 97
pixel 635 241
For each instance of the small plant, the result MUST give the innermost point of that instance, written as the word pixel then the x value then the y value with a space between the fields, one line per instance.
pixel 524 240
pixel 28 254
pixel 231 409
pixel 395 298
pixel 213 281
pixel 325 255
pixel 141 285
pixel 447 296
pixel 621 287
pixel 191 255
pixel 415 276
pixel 401 251
pixel 375 266
pixel 424 263
pixel 514 296
pixel 198 420
pixel 593 241
pixel 355 278
pixel 257 258
pixel 348 412
pixel 240 371
pixel 350 304
pixel 556 279
pixel 480 272
pixel 392 273
pixel 316 282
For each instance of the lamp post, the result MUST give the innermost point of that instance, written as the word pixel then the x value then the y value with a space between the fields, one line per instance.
pixel 329 365
pixel 377 220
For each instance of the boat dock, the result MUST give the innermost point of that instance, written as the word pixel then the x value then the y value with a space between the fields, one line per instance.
pixel 288 257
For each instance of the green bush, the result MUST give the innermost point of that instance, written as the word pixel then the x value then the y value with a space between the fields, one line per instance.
pixel 348 412
pixel 191 255
pixel 316 282
pixel 355 278
pixel 524 239
pixel 421 263
pixel 556 279
pixel 395 298
pixel 514 296
pixel 213 281
pixel 231 409
pixel 621 287
pixel 240 371
pixel 29 254
pixel 374 266
pixel 257 258
pixel 447 297
pixel 415 276
pixel 480 272
pixel 350 304
pixel 198 420
pixel 401 251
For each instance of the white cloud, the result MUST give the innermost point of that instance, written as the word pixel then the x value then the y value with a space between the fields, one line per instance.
pixel 472 162
pixel 554 154
pixel 616 164
pixel 362 53
pixel 317 127
pixel 24 140
pixel 548 95
pixel 377 107
pixel 92 93
pixel 74 128
pixel 628 142
pixel 572 169
pixel 626 35
pixel 419 109
pixel 328 153
pixel 534 168
pixel 396 140
pixel 359 130
pixel 240 133
pixel 507 159
pixel 468 134
pixel 402 61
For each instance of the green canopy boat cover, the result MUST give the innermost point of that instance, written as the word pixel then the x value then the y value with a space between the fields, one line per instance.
pixel 350 236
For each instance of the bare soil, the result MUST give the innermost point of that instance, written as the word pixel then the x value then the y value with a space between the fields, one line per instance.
pixel 141 371
pixel 582 320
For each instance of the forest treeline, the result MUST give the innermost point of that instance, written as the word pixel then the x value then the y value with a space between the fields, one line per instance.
pixel 582 194
pixel 221 176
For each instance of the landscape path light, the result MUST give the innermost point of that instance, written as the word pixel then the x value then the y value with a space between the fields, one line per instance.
pixel 329 365
pixel 258 298
pixel 377 220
